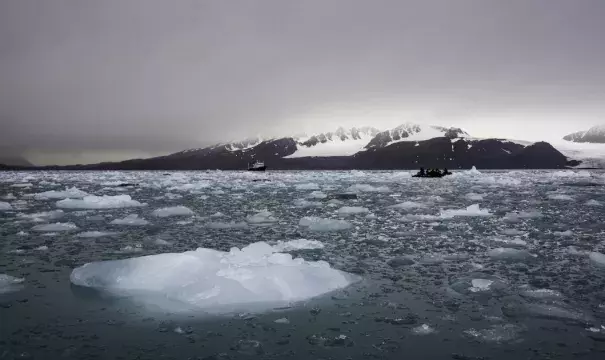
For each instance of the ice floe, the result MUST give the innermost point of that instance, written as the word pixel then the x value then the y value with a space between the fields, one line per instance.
pixel 352 210
pixel 308 186
pixel 510 255
pixel 99 202
pixel 597 259
pixel 257 277
pixel 324 225
pixel 43 216
pixel 317 195
pixel 472 210
pixel 55 227
pixel 95 234
pixel 132 220
pixel 299 244
pixel 4 206
pixel 261 218
pixel 407 205
pixel 173 211
pixel 68 193
pixel 10 283
pixel 368 188
pixel 563 197
pixel 227 225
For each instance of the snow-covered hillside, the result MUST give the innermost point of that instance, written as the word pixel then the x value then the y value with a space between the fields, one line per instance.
pixel 591 155
pixel 342 142
pixel 595 135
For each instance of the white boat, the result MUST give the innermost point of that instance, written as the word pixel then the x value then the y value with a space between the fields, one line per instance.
pixel 257 166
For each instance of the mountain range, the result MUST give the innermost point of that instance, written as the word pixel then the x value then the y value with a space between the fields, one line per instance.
pixel 408 146
pixel 594 135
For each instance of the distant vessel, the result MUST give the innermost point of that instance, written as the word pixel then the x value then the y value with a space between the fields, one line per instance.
pixel 257 166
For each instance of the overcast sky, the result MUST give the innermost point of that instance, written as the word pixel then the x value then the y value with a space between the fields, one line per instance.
pixel 88 79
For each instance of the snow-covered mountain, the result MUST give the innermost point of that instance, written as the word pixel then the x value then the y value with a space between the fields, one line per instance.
pixel 595 135
pixel 414 132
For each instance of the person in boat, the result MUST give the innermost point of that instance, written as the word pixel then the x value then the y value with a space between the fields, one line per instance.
pixel 421 172
pixel 445 172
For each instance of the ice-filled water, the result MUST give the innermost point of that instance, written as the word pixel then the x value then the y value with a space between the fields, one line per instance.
pixel 230 265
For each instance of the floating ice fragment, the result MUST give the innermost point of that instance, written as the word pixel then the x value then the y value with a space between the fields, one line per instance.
pixel 368 188
pixel 541 294
pixel 597 259
pixel 10 283
pixel 317 195
pixel 282 321
pixel 302 203
pixel 173 211
pixel 4 206
pixel 497 333
pixel 563 197
pixel 419 217
pixel 253 278
pixel 132 219
pixel 474 196
pixel 299 244
pixel 480 285
pixel 406 205
pixel 423 329
pixel 9 196
pixel 472 210
pixel 41 248
pixel 227 225
pixel 512 255
pixel 308 186
pixel 95 234
pixel 563 233
pixel 68 193
pixel 592 203
pixel 262 217
pixel 474 171
pixel 55 227
pixel 324 225
pixel 99 202
pixel 43 216
pixel 352 210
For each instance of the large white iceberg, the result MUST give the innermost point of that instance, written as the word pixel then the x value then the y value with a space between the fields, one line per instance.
pixel 173 211
pixel 257 277
pixel 99 202
pixel 73 193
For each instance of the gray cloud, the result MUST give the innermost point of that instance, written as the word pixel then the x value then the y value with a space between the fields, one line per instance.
pixel 166 75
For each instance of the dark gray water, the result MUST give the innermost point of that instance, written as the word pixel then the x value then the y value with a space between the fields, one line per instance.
pixel 518 277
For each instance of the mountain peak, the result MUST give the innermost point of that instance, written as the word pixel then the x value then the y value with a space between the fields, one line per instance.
pixel 595 134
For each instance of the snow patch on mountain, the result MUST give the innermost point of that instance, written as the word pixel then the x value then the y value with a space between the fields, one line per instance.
pixel 414 132
pixel 342 142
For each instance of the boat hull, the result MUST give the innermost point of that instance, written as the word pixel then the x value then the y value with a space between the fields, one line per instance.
pixel 261 168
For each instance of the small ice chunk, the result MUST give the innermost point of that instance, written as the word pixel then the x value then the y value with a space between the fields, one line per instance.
pixel 22 185
pixel 10 283
pixel 43 216
pixel 513 217
pixel 55 227
pixel 563 197
pixel 512 242
pixel 4 206
pixel 513 232
pixel 407 205
pixel 480 285
pixel 317 195
pixel 132 219
pixel 472 210
pixel 352 210
pixel 563 233
pixel 474 171
pixel 299 244
pixel 262 217
pixel 597 259
pixel 162 242
pixel 95 234
pixel 99 202
pixel 22 233
pixel 474 196
pixel 253 278
pixel 173 211
pixel 9 196
pixel 324 225
pixel 368 188
pixel 593 203
pixel 308 186
pixel 41 248
pixel 302 203
pixel 541 294
pixel 423 329
pixel 508 254
pixel 132 249
pixel 282 321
